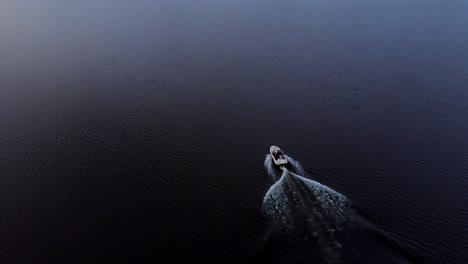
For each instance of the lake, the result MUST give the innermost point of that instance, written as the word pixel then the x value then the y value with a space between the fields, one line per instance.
pixel 136 131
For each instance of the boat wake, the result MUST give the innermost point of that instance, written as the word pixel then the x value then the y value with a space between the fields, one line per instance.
pixel 312 223
pixel 276 172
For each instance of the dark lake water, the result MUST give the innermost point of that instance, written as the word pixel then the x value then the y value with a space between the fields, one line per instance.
pixel 136 131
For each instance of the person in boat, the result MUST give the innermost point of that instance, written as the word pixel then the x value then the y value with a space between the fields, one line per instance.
pixel 278 155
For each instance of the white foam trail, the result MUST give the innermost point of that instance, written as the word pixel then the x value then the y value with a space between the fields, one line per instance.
pixel 328 198
pixel 314 219
pixel 270 168
pixel 273 171
pixel 292 192
pixel 288 183
pixel 296 166
pixel 305 209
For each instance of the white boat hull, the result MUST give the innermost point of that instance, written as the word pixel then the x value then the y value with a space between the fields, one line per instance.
pixel 278 156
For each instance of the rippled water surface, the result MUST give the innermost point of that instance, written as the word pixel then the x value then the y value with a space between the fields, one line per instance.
pixel 136 131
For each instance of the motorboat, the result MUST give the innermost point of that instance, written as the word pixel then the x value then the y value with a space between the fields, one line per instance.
pixel 278 156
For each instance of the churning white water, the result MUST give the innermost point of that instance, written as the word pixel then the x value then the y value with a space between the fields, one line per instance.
pixel 305 209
